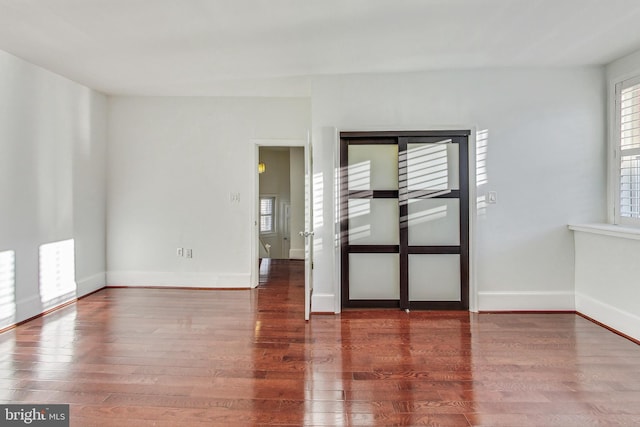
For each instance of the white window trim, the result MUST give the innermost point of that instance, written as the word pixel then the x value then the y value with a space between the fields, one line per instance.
pixel 615 157
pixel 275 215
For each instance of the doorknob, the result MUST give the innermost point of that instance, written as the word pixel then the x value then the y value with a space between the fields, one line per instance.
pixel 306 233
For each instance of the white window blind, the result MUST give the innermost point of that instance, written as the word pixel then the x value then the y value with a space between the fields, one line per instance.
pixel 628 94
pixel 267 214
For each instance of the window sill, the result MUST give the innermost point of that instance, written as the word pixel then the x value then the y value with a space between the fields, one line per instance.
pixel 608 230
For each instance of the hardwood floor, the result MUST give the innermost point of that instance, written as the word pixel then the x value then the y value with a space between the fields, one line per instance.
pixel 166 357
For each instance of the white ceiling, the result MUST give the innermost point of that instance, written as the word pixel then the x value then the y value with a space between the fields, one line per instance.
pixel 157 47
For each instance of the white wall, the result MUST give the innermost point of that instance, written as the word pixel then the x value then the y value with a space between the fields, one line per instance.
pixel 606 286
pixel 52 181
pixel 173 163
pixel 275 182
pixel 545 152
pixel 296 175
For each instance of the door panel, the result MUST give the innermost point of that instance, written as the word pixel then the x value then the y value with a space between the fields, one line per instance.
pixel 434 277
pixel 369 222
pixel 374 276
pixel 434 222
pixel 365 159
pixel 433 166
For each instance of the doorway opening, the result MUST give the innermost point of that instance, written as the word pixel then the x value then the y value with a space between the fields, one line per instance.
pixel 283 195
pixel 281 203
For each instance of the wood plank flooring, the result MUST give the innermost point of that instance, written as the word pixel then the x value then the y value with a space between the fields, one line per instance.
pixel 166 357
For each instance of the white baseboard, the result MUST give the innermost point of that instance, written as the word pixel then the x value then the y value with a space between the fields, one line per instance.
pixel 32 306
pixel 23 309
pixel 170 279
pixel 91 284
pixel 322 303
pixel 526 301
pixel 296 253
pixel 488 301
pixel 620 320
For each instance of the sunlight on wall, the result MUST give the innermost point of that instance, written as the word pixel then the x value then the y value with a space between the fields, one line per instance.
pixel 481 205
pixel 318 210
pixel 482 177
pixel 7 288
pixel 482 141
pixel 308 202
pixel 57 273
pixel 318 200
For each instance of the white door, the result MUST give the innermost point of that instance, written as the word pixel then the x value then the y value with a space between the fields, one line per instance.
pixel 308 227
pixel 285 208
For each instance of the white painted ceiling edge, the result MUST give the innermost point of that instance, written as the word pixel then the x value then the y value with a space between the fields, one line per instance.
pixel 202 47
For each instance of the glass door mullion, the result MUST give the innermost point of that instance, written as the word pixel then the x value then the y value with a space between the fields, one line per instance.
pixel 403 200
pixel 463 169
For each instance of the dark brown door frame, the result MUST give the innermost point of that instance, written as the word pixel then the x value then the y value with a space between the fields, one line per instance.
pixel 402 139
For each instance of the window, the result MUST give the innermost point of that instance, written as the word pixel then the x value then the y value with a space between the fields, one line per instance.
pixel 267 214
pixel 627 150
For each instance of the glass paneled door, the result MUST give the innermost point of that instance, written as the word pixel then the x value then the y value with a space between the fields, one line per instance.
pixel 404 219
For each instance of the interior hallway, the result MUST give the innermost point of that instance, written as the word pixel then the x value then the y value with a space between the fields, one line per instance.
pixel 169 357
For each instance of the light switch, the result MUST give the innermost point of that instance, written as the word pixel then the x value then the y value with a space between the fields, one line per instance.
pixel 492 197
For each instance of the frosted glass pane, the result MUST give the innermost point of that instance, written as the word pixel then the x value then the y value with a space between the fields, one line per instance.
pixel 433 166
pixel 373 167
pixel 374 276
pixel 373 222
pixel 434 277
pixel 434 222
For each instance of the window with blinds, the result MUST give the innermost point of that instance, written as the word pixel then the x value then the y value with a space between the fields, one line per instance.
pixel 267 214
pixel 628 151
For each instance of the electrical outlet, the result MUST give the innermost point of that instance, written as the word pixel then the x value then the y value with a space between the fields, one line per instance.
pixel 234 197
pixel 189 253
pixel 180 252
